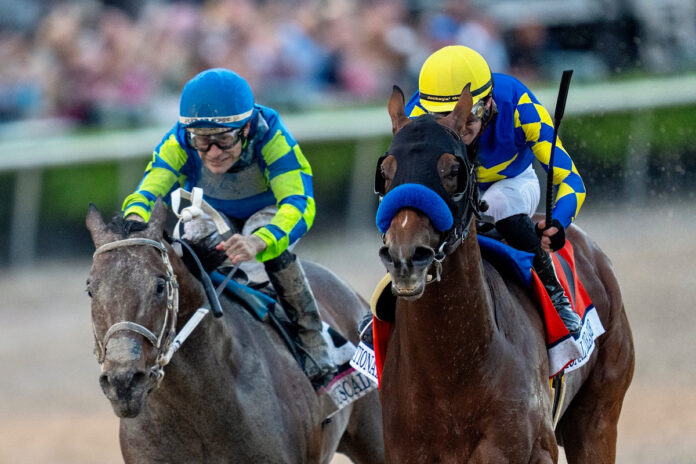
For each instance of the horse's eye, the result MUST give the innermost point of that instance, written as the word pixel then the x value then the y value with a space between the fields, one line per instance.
pixel 89 289
pixel 160 286
pixel 454 172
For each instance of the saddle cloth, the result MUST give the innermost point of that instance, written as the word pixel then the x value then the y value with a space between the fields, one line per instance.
pixel 565 352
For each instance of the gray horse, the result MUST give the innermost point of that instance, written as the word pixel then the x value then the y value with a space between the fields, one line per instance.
pixel 233 392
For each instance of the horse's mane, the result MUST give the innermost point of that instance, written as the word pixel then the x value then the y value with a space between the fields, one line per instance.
pixel 124 227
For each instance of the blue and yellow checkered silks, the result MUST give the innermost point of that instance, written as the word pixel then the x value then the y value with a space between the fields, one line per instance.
pixel 521 131
pixel 287 181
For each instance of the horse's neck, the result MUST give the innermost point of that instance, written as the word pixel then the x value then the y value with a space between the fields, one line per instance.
pixel 457 311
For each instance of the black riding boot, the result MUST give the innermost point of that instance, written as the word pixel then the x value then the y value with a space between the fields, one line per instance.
pixel 543 265
pixel 288 278
pixel 518 231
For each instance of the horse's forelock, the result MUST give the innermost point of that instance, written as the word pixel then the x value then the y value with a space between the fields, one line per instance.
pixel 124 227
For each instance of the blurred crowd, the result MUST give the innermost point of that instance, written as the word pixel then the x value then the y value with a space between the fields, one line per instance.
pixel 112 63
pixel 122 62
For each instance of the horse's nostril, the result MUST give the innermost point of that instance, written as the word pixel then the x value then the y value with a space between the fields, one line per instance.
pixel 139 378
pixel 104 382
pixel 423 256
pixel 385 256
pixel 123 384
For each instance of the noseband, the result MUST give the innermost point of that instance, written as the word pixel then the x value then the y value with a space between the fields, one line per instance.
pixel 166 343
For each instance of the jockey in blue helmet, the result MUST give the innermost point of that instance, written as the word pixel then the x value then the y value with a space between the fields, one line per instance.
pixel 251 169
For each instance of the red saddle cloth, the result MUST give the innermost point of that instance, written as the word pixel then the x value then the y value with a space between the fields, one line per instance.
pixel 565 352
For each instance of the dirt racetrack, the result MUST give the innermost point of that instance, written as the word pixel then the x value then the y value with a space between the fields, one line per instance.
pixel 52 410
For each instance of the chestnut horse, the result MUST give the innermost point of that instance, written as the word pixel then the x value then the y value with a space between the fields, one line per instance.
pixel 233 392
pixel 466 375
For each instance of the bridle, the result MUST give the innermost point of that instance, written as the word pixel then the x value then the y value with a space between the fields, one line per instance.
pixel 464 203
pixel 168 341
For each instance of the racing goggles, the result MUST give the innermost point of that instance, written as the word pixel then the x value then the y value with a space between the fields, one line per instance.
pixel 223 140
pixel 479 109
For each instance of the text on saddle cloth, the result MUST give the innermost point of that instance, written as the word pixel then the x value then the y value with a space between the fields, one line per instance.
pixel 350 383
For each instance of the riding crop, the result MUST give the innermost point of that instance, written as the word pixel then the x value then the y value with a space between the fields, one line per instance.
pixel 557 116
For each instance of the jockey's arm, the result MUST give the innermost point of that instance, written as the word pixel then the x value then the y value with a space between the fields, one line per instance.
pixel 538 132
pixel 162 176
pixel 290 178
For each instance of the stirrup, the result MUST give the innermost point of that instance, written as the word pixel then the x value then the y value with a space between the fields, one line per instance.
pixel 365 329
pixel 318 374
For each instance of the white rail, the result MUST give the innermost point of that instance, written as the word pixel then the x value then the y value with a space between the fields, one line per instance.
pixel 29 156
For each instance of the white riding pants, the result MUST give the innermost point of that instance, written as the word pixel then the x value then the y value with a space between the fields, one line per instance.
pixel 515 195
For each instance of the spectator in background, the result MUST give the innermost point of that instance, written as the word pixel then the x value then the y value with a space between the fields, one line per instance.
pixel 299 59
pixel 528 49
pixel 20 81
pixel 122 82
pixel 65 48
pixel 460 23
pixel 111 63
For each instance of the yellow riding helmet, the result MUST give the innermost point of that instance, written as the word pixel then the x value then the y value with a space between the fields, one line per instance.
pixel 446 72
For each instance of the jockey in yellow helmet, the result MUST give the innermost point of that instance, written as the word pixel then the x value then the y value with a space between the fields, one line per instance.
pixel 507 129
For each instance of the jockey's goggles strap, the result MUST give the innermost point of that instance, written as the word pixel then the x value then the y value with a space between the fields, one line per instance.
pixel 223 140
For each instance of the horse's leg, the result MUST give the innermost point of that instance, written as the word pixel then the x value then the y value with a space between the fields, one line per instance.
pixel 362 441
pixel 588 428
pixel 545 449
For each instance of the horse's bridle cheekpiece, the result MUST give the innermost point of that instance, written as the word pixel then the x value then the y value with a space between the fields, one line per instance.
pixel 417 148
pixel 168 341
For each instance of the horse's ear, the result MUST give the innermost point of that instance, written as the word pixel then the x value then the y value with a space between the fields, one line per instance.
pixel 396 109
pixel 96 226
pixel 158 218
pixel 457 118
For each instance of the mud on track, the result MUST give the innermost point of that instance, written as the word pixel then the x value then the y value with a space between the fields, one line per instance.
pixel 52 410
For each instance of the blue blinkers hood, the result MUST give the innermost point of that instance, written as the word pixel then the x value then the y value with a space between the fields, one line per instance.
pixel 417 147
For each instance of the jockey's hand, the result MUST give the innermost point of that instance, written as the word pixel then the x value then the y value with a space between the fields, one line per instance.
pixel 553 237
pixel 239 248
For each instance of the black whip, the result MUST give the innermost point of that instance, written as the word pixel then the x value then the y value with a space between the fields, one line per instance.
pixel 557 116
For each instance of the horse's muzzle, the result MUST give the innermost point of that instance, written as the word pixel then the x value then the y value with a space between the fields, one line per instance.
pixel 408 270
pixel 127 390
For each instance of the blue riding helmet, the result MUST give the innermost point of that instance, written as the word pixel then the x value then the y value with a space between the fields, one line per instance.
pixel 216 98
